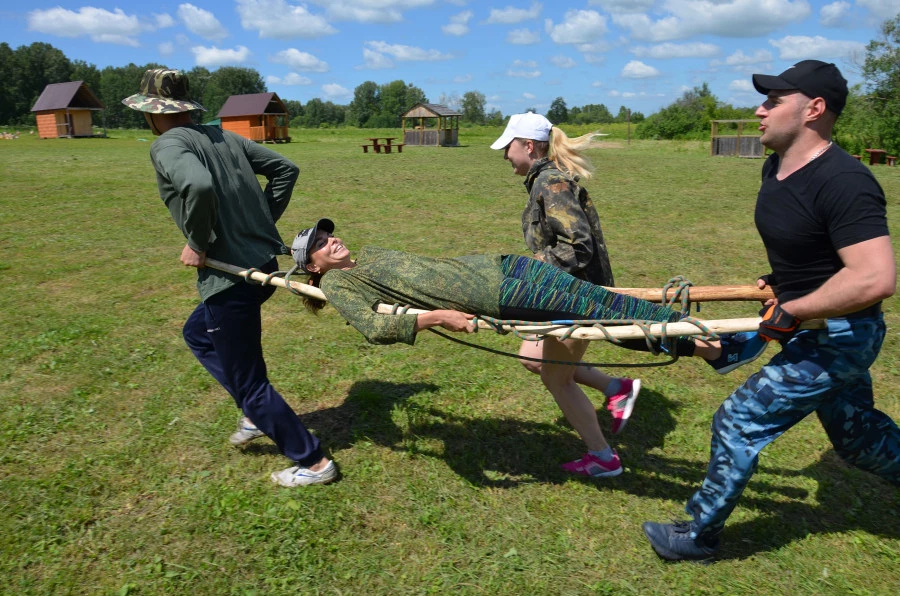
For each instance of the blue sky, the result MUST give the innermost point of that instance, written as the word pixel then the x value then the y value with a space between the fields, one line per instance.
pixel 520 54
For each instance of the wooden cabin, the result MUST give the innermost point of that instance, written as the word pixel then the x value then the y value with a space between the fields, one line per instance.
pixel 64 111
pixel 260 117
pixel 431 124
pixel 728 138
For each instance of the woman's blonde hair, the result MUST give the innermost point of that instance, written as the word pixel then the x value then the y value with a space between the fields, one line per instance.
pixel 566 152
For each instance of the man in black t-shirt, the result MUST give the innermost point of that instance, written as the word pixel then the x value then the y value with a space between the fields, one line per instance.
pixel 821 216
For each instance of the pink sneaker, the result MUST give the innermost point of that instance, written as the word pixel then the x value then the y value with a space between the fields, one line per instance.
pixel 591 465
pixel 621 404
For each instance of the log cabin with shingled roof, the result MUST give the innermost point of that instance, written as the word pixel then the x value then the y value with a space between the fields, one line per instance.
pixel 260 117
pixel 63 110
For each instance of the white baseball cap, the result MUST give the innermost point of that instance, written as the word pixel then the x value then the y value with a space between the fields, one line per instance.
pixel 524 126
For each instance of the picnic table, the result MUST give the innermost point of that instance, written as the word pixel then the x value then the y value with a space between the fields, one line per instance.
pixel 383 144
pixel 875 155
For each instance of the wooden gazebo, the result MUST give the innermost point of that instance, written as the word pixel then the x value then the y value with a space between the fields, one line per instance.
pixel 432 124
pixel 728 138
pixel 260 117
pixel 63 110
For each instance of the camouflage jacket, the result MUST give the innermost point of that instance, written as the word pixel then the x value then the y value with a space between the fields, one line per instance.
pixel 561 225
pixel 468 284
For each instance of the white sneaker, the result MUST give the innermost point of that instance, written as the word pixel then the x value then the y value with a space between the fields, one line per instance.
pixel 245 433
pixel 300 476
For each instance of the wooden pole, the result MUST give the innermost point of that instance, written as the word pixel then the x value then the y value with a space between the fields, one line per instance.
pixel 589 333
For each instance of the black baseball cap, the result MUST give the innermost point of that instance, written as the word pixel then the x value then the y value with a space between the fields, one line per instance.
pixel 811 77
pixel 303 243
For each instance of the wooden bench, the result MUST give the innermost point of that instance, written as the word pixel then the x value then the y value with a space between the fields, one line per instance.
pixel 365 148
pixel 891 160
pixel 875 155
pixel 858 157
pixel 399 147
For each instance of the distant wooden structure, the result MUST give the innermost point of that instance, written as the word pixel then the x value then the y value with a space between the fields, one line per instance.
pixel 260 117
pixel 433 125
pixel 737 144
pixel 63 110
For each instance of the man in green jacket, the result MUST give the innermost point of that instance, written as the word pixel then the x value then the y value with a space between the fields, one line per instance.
pixel 207 179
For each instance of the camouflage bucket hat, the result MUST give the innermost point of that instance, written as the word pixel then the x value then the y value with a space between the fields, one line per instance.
pixel 163 91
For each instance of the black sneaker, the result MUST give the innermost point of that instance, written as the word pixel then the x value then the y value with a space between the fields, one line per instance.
pixel 673 542
pixel 737 350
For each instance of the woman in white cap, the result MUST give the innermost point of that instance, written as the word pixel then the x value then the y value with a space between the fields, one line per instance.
pixel 562 227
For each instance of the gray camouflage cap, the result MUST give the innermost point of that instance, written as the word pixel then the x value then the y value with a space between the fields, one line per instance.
pixel 163 91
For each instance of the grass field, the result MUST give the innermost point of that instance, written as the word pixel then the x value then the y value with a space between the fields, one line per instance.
pixel 116 476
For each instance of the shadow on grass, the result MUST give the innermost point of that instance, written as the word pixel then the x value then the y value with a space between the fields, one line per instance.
pixel 504 452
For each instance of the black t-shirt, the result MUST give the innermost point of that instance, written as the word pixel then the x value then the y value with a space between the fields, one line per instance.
pixel 830 203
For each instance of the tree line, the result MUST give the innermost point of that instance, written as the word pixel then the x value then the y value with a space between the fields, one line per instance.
pixel 871 118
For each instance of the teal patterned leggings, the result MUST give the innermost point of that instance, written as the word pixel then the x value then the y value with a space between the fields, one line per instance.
pixel 535 291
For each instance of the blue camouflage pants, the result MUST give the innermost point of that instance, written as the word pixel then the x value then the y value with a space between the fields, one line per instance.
pixel 825 371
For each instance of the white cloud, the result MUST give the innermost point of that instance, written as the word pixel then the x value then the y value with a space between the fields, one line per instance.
pixel 882 9
pixel 578 27
pixel 800 47
pixel 739 58
pixel 525 64
pixel 527 95
pixel 833 15
pixel 405 53
pixel 335 91
pixel 369 11
pixel 462 78
pixel 299 61
pixel 166 49
pixel 677 50
pixel 638 70
pixel 212 57
pixel 99 24
pixel 292 78
pixel 597 84
pixel 741 86
pixel 562 62
pixel 375 60
pixel 511 15
pixel 201 22
pixel 279 20
pixel 164 20
pixel 523 74
pixel 523 37
pixel 459 24
pixel 623 6
pixel 726 18
pixel 594 59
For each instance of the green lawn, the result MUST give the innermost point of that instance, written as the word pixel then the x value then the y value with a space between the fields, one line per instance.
pixel 116 474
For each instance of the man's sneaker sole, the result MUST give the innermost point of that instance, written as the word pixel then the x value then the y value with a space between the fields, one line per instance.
pixel 300 476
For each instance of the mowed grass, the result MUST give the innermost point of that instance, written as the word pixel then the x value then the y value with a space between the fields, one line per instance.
pixel 116 475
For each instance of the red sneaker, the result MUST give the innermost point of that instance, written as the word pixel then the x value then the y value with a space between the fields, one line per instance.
pixel 591 465
pixel 621 404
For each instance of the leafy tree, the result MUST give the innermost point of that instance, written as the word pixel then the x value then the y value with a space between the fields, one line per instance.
pixel 395 98
pixel 117 83
pixel 558 113
pixel 473 107
pixel 365 103
pixel 494 118
pixel 881 73
pixel 294 108
pixel 8 90
pixel 687 118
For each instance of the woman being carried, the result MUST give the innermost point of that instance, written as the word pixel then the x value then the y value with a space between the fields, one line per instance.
pixel 506 287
